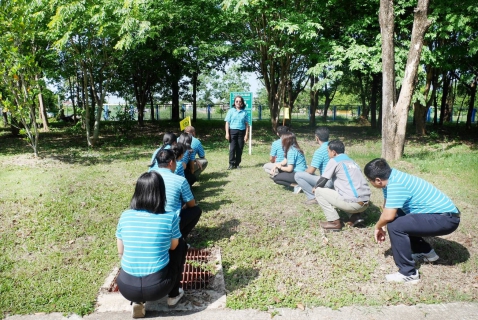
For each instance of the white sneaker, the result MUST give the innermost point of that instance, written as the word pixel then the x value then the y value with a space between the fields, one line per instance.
pixel 398 277
pixel 172 302
pixel 427 257
pixel 297 189
pixel 138 310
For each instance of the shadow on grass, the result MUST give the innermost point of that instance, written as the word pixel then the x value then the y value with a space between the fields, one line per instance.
pixel 450 252
pixel 238 278
pixel 205 234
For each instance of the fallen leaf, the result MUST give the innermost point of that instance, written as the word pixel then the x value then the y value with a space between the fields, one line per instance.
pixel 301 306
pixel 277 300
pixel 71 241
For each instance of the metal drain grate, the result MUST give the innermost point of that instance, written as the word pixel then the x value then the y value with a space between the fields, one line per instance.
pixel 194 277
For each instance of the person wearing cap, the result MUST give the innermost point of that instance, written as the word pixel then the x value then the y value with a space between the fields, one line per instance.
pixel 178 192
pixel 413 208
pixel 198 164
pixel 351 193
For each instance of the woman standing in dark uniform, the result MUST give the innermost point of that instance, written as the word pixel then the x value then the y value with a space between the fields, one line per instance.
pixel 237 129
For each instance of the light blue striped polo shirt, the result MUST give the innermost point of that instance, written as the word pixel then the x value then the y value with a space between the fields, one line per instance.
pixel 178 191
pixel 320 157
pixel 297 159
pixel 238 119
pixel 166 147
pixel 179 168
pixel 196 145
pixel 277 151
pixel 146 238
pixel 415 195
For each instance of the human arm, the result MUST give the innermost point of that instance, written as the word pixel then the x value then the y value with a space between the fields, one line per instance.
pixel 174 244
pixel 272 159
pixel 227 131
pixel 120 245
pixel 247 132
pixel 388 215
pixel 190 204
pixel 310 170
pixel 279 165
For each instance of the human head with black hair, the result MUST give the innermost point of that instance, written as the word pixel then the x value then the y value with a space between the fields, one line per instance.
pixel 239 102
pixel 377 172
pixel 186 139
pixel 281 130
pixel 322 133
pixel 335 148
pixel 149 193
pixel 289 140
pixel 166 159
pixel 169 139
pixel 178 150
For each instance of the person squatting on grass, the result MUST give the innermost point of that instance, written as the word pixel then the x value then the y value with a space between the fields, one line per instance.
pixel 150 246
pixel 169 139
pixel 350 194
pixel 293 162
pixel 198 164
pixel 413 208
pixel 188 159
pixel 179 150
pixel 178 193
pixel 237 130
pixel 277 153
pixel 307 179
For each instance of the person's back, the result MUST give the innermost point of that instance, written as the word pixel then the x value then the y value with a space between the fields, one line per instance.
pixel 200 164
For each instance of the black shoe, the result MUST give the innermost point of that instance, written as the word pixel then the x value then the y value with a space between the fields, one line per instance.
pixel 231 167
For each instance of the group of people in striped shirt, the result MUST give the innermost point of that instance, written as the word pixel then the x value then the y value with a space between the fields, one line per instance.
pixel 152 234
pixel 413 208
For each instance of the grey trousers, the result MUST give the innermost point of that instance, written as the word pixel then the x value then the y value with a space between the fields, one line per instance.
pixel 268 166
pixel 329 199
pixel 197 170
pixel 307 182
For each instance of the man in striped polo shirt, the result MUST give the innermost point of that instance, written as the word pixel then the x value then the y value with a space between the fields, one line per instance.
pixel 200 163
pixel 350 194
pixel 178 192
pixel 307 179
pixel 413 208
pixel 277 154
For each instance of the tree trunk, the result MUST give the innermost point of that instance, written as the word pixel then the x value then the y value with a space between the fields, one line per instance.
pixel 373 99
pixel 195 88
pixel 445 87
pixel 395 115
pixel 313 101
pixel 86 106
pixel 471 104
pixel 365 110
pixel 42 109
pixel 151 102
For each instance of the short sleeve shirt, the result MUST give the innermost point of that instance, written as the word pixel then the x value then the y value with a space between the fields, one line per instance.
pixel 348 180
pixel 238 119
pixel 146 238
pixel 178 191
pixel 297 159
pixel 277 151
pixel 321 157
pixel 197 149
pixel 153 158
pixel 415 195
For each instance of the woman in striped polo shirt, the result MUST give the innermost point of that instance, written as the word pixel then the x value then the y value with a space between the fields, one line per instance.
pixel 150 246
pixel 294 161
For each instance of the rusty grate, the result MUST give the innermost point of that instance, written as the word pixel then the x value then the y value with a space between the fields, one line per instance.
pixel 194 277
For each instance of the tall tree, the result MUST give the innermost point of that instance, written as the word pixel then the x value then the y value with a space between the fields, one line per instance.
pixel 395 113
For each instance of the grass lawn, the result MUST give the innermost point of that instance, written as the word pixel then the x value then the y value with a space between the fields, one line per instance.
pixel 58 216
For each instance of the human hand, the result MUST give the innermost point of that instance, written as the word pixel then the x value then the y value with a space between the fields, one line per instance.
pixel 313 190
pixel 227 136
pixel 380 235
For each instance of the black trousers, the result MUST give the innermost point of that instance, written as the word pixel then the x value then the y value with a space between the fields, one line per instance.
pixel 285 178
pixel 189 219
pixel 236 145
pixel 156 285
pixel 406 233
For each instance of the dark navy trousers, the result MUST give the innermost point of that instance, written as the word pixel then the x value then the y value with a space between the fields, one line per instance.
pixel 236 146
pixel 406 233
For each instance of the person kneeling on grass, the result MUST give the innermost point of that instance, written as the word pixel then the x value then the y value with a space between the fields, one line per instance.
pixel 277 153
pixel 350 194
pixel 413 209
pixel 150 246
